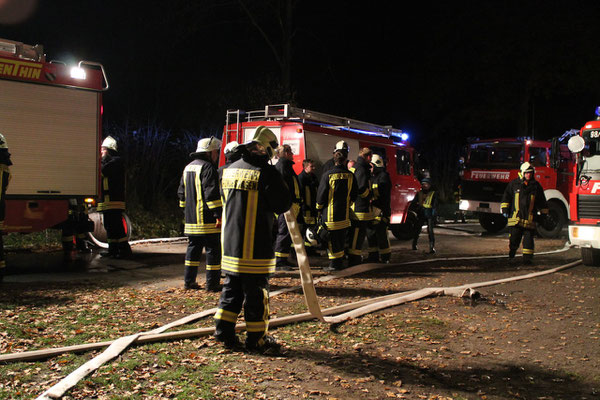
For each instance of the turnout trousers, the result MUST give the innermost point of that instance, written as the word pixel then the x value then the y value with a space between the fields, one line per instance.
pixel 356 239
pixel 115 232
pixel 515 234
pixel 379 242
pixel 212 243
pixel 250 291
pixel 283 241
pixel 336 248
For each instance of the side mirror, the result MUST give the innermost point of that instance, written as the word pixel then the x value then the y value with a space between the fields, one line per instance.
pixel 576 144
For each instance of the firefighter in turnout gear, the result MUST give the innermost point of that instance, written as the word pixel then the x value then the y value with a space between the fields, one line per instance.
pixel 523 199
pixel 377 233
pixel 426 204
pixel 5 163
pixel 363 210
pixel 337 190
pixel 200 197
pixel 252 191
pixel 308 189
pixel 112 200
pixel 283 241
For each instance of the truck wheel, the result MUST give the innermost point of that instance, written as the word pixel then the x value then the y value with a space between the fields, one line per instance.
pixel 98 236
pixel 559 216
pixel 492 223
pixel 405 231
pixel 590 256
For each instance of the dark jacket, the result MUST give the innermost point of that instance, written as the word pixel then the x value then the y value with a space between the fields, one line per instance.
pixel 337 190
pixel 308 189
pixel 427 203
pixel 252 190
pixel 112 194
pixel 4 180
pixel 286 169
pixel 382 192
pixel 522 201
pixel 362 206
pixel 327 166
pixel 200 196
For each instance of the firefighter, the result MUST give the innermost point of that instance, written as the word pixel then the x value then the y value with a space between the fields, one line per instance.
pixel 283 241
pixel 308 189
pixel 377 233
pixel 200 197
pixel 5 163
pixel 112 200
pixel 363 210
pixel 252 190
pixel 337 190
pixel 426 205
pixel 339 146
pixel 522 200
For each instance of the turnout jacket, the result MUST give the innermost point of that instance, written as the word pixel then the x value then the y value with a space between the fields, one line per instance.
pixel 337 190
pixel 286 169
pixel 252 190
pixel 362 206
pixel 200 197
pixel 112 193
pixel 382 192
pixel 522 200
pixel 308 189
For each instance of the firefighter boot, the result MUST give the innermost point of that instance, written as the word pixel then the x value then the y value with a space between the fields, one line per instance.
pixel 113 250
pixel 431 248
pixel 414 244
pixel 213 278
pixel 124 250
pixel 373 257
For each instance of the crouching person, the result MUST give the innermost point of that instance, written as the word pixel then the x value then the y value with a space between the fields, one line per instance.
pixel 252 191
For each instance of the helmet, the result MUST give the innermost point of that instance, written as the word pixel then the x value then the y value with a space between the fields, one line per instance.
pixel 207 145
pixel 110 143
pixel 526 167
pixel 341 145
pixel 312 237
pixel 3 144
pixel 230 147
pixel 377 161
pixel 266 138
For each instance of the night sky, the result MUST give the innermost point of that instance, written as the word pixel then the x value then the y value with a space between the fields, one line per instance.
pixel 442 71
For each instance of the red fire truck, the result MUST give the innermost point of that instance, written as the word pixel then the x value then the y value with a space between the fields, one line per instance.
pixel 314 135
pixel 491 164
pixel 50 114
pixel 584 230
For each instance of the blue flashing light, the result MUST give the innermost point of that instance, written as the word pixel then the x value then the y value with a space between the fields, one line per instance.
pixel 364 132
pixel 598 111
pixel 404 137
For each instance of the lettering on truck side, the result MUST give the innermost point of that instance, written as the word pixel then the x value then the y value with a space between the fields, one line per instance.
pixel 20 69
pixel 595 187
pixel 486 175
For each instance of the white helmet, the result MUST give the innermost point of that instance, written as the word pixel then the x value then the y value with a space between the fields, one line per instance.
pixel 311 236
pixel 110 143
pixel 377 161
pixel 341 145
pixel 231 146
pixel 207 145
pixel 526 167
pixel 3 144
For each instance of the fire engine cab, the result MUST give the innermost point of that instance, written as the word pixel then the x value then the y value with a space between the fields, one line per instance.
pixel 50 115
pixel 491 164
pixel 584 230
pixel 313 135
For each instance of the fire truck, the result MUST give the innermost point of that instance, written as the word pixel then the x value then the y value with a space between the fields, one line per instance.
pixel 491 164
pixel 51 117
pixel 584 230
pixel 313 135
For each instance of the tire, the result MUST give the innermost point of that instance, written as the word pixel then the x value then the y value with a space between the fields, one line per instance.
pixel 405 231
pixel 98 236
pixel 559 215
pixel 492 223
pixel 590 256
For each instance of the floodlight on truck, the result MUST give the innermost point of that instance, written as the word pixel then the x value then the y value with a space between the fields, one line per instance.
pixel 78 73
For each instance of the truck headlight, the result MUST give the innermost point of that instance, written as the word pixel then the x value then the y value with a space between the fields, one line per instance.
pixel 583 232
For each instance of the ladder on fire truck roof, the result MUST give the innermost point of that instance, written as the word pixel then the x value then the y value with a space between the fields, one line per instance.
pixel 22 50
pixel 278 112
